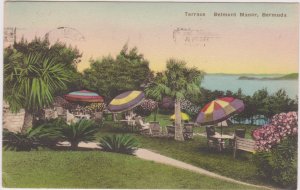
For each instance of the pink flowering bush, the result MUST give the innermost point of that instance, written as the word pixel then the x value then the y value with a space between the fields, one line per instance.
pixel 281 126
pixel 146 107
pixel 276 144
pixel 188 107
pixel 149 105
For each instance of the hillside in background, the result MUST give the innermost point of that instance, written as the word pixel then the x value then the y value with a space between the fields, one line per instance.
pixel 292 76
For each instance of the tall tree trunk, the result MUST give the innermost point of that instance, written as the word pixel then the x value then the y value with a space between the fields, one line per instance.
pixel 74 145
pixel 28 120
pixel 178 127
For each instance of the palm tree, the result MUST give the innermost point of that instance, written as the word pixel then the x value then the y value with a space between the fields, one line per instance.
pixel 177 82
pixel 83 130
pixel 156 90
pixel 30 82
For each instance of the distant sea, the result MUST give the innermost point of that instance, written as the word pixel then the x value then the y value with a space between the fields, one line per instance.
pixel 232 83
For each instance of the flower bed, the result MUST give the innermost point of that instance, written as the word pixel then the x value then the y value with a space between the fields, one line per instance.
pixel 282 125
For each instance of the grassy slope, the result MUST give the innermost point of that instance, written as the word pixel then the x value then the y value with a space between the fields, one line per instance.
pixel 195 152
pixel 94 169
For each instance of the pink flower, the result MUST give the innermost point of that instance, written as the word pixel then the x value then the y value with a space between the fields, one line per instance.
pixel 282 125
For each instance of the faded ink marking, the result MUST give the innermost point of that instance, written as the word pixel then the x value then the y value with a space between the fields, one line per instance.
pixel 192 37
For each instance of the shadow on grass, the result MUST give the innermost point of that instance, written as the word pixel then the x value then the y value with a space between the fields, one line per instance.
pixel 67 148
pixel 241 155
pixel 111 127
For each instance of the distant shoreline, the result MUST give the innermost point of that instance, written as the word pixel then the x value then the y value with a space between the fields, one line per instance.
pixel 292 76
pixel 250 74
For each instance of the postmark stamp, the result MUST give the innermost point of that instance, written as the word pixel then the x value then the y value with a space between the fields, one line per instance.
pixel 192 37
pixel 64 32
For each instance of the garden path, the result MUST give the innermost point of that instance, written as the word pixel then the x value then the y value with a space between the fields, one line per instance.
pixel 149 155
pixel 152 156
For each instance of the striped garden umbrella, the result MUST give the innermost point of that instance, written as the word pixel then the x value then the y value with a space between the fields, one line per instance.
pixel 84 96
pixel 219 110
pixel 126 101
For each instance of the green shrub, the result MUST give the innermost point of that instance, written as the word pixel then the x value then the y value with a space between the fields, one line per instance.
pixel 18 141
pixel 280 164
pixel 44 131
pixel 31 139
pixel 125 144
pixel 83 130
pixel 48 134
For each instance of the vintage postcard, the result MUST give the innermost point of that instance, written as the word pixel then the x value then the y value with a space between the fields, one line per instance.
pixel 150 95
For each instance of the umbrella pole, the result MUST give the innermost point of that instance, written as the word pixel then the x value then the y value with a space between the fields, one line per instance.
pixel 221 129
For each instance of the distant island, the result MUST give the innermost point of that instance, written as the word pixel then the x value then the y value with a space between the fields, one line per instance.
pixel 292 76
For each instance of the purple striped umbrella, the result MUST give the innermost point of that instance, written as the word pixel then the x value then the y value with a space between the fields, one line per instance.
pixel 126 101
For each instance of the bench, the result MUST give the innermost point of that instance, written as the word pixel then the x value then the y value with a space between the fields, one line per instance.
pixel 243 144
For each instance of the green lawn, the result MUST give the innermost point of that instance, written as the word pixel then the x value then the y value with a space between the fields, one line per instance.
pixel 95 169
pixel 164 120
pixel 195 152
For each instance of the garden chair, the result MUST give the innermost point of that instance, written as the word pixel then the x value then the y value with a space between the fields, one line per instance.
pixel 237 133
pixel 129 121
pixel 213 142
pixel 240 133
pixel 155 128
pixel 188 131
pixel 71 118
pixel 171 130
pixel 143 127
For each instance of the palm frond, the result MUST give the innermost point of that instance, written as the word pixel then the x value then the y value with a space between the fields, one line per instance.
pixel 84 130
pixel 36 77
pixel 125 144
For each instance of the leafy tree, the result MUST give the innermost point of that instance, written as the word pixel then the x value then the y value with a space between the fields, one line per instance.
pixel 177 82
pixel 208 96
pixel 65 55
pixel 30 81
pixel 261 103
pixel 156 90
pixel 255 105
pixel 280 102
pixel 260 100
pixel 111 76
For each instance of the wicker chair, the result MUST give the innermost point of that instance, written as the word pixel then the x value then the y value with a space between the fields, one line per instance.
pixel 188 131
pixel 144 128
pixel 237 133
pixel 171 130
pixel 213 142
pixel 155 128
pixel 240 133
